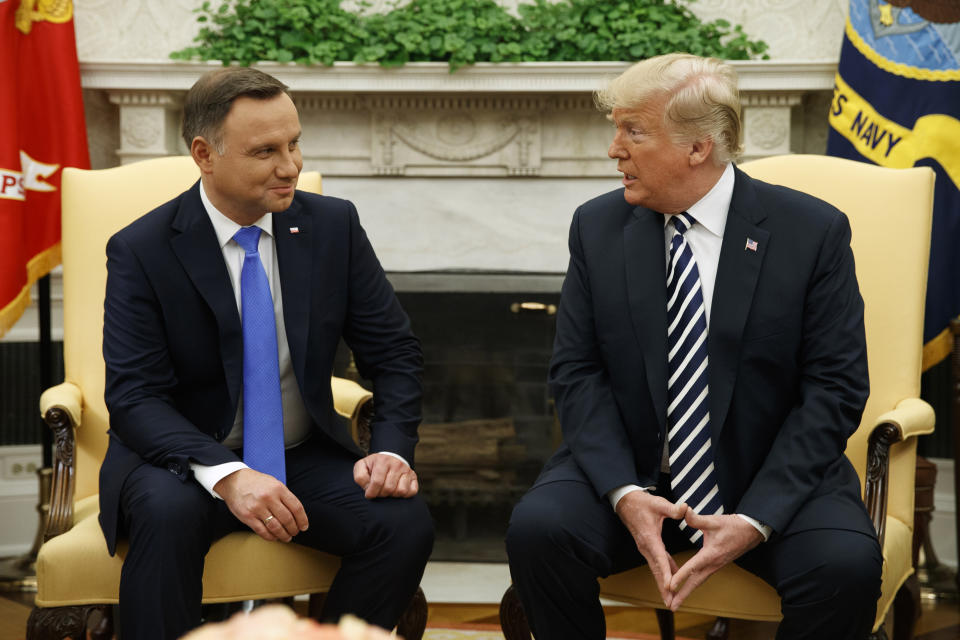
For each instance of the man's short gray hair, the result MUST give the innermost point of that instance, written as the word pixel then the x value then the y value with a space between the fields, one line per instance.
pixel 702 100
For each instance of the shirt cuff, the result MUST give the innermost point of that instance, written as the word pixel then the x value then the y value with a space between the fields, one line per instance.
pixel 765 530
pixel 615 495
pixel 209 476
pixel 395 455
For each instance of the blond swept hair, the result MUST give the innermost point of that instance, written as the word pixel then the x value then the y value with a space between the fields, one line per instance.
pixel 702 100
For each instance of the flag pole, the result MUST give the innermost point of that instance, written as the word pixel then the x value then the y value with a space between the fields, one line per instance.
pixel 46 363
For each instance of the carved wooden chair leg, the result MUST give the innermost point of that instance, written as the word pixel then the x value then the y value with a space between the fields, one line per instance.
pixel 665 622
pixel 315 605
pixel 906 609
pixel 56 623
pixel 414 619
pixel 879 634
pixel 104 628
pixel 513 620
pixel 720 630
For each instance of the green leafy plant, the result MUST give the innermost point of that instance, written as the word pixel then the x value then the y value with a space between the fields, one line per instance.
pixel 627 30
pixel 456 31
pixel 459 32
pixel 301 31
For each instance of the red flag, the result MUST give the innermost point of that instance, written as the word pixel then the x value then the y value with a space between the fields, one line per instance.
pixel 42 130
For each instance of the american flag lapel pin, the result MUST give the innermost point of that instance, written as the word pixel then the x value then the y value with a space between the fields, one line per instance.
pixel 294 230
pixel 751 245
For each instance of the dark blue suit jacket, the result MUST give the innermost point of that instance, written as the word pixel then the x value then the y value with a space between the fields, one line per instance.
pixel 172 338
pixel 787 356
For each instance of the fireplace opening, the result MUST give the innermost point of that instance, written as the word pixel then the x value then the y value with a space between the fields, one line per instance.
pixel 488 420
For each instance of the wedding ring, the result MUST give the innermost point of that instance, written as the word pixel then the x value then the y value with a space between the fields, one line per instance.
pixel 267 519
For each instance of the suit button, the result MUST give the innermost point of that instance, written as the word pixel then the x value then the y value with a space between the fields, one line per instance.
pixel 173 468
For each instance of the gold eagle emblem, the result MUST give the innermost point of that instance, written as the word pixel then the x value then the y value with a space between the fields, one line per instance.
pixel 30 11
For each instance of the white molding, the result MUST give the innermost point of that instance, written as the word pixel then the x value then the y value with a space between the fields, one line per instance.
pixel 518 77
pixel 943 527
pixel 19 496
pixel 18 469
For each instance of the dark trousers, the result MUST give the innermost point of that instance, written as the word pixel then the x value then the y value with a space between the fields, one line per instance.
pixel 562 537
pixel 383 543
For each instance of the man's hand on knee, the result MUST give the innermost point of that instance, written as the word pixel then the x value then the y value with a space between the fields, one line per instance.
pixel 385 476
pixel 725 538
pixel 643 514
pixel 263 503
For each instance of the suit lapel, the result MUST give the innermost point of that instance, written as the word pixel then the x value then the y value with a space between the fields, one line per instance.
pixel 197 248
pixel 644 259
pixel 737 273
pixel 291 231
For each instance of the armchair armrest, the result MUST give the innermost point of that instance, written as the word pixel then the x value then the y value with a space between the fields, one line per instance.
pixel 61 408
pixel 66 396
pixel 355 403
pixel 911 417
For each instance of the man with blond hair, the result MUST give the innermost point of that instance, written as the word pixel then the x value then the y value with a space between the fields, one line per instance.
pixel 709 366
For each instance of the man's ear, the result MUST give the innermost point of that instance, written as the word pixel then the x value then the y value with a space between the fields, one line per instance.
pixel 203 152
pixel 700 151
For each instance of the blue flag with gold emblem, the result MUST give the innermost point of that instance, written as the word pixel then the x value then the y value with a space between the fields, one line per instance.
pixel 896 103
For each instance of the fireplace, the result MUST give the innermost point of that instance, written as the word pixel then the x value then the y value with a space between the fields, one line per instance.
pixel 488 423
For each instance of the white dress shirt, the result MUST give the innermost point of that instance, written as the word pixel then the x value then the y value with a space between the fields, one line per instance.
pixel 296 419
pixel 705 238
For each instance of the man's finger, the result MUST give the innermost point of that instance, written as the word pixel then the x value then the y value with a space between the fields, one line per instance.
pixel 659 561
pixel 257 526
pixel 293 504
pixel 403 486
pixel 275 525
pixel 414 486
pixel 678 511
pixel 663 578
pixel 695 520
pixel 377 475
pixel 361 473
pixel 392 480
pixel 697 569
pixel 695 580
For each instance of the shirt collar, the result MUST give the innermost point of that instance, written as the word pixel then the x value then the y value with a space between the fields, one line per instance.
pixel 224 227
pixel 711 210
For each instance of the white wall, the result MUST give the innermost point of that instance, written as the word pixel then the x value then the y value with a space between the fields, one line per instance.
pixel 150 30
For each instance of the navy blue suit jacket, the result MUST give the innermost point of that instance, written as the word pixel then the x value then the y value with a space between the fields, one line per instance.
pixel 172 339
pixel 787 356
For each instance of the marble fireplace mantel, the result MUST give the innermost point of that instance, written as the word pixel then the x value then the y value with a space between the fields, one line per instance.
pixel 473 171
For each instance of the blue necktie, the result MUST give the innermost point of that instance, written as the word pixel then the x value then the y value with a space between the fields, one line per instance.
pixel 262 403
pixel 693 477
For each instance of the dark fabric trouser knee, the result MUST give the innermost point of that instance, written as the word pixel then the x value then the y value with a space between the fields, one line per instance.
pixel 383 543
pixel 562 537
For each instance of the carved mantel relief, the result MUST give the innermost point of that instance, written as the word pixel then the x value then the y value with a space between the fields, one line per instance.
pixel 455 136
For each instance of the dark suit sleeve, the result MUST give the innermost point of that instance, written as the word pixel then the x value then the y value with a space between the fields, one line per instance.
pixel 593 428
pixel 377 330
pixel 833 388
pixel 140 376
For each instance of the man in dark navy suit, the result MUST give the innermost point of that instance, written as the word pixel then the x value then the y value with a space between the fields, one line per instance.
pixel 223 311
pixel 709 366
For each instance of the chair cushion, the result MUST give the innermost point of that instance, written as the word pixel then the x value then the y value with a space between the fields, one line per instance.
pixel 732 592
pixel 735 593
pixel 74 568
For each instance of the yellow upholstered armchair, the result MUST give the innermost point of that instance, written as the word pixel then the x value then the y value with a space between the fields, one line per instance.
pixel 890 213
pixel 75 574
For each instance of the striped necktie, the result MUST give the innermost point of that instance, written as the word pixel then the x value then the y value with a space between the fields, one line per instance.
pixel 262 401
pixel 693 477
